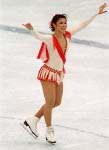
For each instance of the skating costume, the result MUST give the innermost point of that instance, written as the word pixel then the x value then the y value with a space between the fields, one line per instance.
pixel 52 54
pixel 53 57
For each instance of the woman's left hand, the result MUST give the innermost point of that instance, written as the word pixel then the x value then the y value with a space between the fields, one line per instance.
pixel 101 9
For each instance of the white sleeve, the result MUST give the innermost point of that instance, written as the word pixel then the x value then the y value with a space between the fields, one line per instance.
pixel 39 36
pixel 82 25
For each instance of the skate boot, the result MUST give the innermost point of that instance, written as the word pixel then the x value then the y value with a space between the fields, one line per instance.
pixel 30 125
pixel 50 137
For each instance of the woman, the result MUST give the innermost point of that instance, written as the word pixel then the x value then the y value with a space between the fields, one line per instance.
pixel 53 51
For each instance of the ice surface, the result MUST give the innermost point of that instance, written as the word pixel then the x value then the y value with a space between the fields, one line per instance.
pixel 40 12
pixel 81 122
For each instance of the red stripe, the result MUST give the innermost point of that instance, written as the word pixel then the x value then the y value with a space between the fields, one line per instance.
pixel 41 50
pixel 68 34
pixel 59 49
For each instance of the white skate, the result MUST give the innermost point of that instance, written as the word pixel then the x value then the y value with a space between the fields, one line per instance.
pixel 50 137
pixel 30 125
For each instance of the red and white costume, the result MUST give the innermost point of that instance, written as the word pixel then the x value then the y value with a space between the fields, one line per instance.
pixel 52 54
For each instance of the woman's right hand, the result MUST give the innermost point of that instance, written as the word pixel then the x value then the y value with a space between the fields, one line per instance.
pixel 28 26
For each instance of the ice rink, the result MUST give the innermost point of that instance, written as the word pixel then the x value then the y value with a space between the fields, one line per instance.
pixel 81 122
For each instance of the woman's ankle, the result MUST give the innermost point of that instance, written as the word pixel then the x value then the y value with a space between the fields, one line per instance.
pixel 37 117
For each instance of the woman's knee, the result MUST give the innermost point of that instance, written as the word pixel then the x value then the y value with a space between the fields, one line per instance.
pixel 57 104
pixel 50 104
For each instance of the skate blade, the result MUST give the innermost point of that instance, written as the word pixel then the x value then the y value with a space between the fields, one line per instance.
pixel 23 125
pixel 50 141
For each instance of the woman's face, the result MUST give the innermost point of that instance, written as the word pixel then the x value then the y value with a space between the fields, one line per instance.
pixel 61 25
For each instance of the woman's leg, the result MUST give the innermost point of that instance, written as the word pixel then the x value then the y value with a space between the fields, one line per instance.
pixel 40 112
pixel 49 90
pixel 59 93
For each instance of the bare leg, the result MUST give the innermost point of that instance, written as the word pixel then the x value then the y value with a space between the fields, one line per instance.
pixel 49 90
pixel 59 93
pixel 40 113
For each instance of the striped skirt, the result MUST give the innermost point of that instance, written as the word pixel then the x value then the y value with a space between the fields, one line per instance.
pixel 50 74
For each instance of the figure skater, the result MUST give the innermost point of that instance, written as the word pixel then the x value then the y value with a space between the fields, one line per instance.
pixel 53 53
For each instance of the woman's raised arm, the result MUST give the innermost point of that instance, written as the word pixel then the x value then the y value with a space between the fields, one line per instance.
pixel 36 34
pixel 85 23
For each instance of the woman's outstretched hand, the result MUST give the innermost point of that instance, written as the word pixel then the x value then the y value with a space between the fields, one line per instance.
pixel 28 26
pixel 101 9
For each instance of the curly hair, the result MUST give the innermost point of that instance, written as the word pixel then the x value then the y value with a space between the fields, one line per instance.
pixel 55 19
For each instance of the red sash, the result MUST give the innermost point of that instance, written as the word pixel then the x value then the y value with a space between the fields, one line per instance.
pixel 68 34
pixel 44 54
pixel 59 49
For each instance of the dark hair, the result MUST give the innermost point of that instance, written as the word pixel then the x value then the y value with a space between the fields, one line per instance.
pixel 55 19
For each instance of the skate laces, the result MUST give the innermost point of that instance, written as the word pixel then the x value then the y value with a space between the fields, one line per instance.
pixel 51 131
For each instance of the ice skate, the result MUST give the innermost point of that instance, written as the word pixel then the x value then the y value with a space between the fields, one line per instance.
pixel 30 125
pixel 50 137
